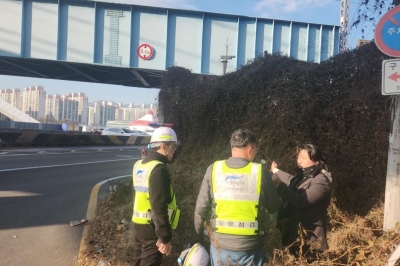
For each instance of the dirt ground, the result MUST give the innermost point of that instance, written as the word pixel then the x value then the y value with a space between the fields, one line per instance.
pixel 352 240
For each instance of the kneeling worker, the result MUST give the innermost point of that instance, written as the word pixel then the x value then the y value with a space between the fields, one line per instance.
pixel 155 212
pixel 235 195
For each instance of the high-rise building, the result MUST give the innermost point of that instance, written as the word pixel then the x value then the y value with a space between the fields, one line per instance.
pixel 94 114
pixel 83 106
pixel 32 101
pixel 92 121
pixel 107 112
pixel 101 112
pixel 119 111
pixel 11 96
pixel 61 108
pixel 130 113
pixel 67 109
pixel 50 109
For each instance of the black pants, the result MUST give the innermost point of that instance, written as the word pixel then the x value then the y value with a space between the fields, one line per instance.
pixel 146 252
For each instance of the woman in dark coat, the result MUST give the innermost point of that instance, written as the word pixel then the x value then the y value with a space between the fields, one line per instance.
pixel 306 197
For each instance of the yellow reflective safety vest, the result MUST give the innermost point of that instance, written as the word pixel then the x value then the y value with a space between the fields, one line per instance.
pixel 141 207
pixel 236 194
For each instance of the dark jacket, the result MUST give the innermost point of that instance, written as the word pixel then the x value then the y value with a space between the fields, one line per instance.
pixel 269 200
pixel 308 206
pixel 159 191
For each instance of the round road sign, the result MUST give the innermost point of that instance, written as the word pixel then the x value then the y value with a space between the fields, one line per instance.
pixel 145 51
pixel 387 33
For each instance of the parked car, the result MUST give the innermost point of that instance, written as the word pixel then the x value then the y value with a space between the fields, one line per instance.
pixel 143 133
pixel 149 132
pixel 138 131
pixel 120 132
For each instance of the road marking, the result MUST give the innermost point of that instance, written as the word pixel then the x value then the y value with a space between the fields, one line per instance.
pixel 3 152
pixel 41 152
pixel 91 211
pixel 28 154
pixel 16 193
pixel 73 151
pixel 60 165
pixel 50 153
pixel 10 155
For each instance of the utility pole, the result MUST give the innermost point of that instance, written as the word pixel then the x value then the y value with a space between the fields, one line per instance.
pixel 344 24
pixel 390 68
pixel 225 58
pixel 392 191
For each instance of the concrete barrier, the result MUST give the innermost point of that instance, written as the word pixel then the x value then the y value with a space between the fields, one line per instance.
pixel 34 138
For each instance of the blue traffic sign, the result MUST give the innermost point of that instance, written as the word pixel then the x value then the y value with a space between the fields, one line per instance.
pixel 387 33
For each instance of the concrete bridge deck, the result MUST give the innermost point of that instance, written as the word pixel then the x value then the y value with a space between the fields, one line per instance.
pixel 132 45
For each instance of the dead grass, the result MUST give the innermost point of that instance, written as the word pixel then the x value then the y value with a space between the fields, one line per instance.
pixel 353 240
pixel 109 239
pixel 336 104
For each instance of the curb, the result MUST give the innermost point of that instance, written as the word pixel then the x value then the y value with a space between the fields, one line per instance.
pixel 91 212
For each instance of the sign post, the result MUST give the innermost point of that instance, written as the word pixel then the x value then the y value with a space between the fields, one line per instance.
pixel 387 39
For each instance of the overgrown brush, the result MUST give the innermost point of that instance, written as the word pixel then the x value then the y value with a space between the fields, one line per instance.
pixel 336 105
pixel 353 240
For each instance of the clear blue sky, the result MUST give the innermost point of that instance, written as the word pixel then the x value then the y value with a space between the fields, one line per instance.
pixel 313 11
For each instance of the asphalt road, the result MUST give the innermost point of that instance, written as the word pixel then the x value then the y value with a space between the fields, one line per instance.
pixel 42 190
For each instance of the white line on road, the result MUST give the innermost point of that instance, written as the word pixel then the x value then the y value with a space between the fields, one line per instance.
pixel 117 177
pixel 50 153
pixel 28 154
pixel 60 165
pixel 10 155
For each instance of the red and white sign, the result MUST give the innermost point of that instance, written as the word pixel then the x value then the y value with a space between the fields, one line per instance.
pixel 391 77
pixel 387 33
pixel 145 51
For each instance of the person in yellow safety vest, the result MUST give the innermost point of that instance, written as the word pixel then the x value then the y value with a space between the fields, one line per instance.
pixel 155 212
pixel 234 196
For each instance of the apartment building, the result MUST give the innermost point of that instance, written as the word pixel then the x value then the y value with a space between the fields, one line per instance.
pixel 83 105
pixel 94 115
pixel 62 108
pixel 67 109
pixel 32 101
pixel 107 112
pixel 11 96
pixel 50 108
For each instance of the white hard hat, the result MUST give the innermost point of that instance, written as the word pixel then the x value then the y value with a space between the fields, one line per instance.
pixel 164 134
pixel 197 255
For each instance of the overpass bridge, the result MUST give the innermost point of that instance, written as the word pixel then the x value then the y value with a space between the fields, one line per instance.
pixel 132 45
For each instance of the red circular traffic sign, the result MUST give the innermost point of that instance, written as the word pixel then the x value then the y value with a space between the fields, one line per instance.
pixel 145 51
pixel 387 32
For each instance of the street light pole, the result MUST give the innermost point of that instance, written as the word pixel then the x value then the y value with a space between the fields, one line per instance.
pixel 225 58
